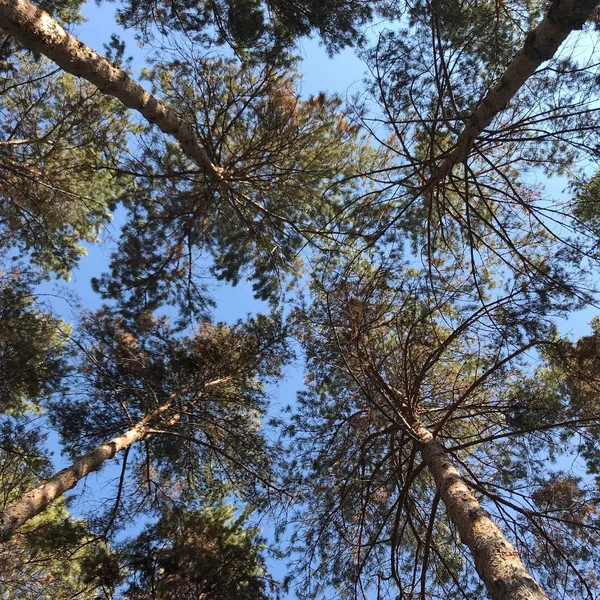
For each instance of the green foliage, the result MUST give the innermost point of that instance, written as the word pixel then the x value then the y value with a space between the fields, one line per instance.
pixel 68 11
pixel 575 367
pixel 32 362
pixel 268 26
pixel 291 164
pixel 215 379
pixel 423 304
pixel 207 553
pixel 429 75
pixel 535 402
pixel 587 204
pixel 387 347
pixel 60 141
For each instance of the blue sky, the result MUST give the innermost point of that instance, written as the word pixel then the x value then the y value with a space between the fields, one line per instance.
pixel 341 75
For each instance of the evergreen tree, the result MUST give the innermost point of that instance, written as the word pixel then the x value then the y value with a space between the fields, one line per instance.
pixel 405 439
pixel 291 161
pixel 185 410
pixel 32 361
pixel 195 554
pixel 55 556
pixel 473 114
pixel 257 173
pixel 423 438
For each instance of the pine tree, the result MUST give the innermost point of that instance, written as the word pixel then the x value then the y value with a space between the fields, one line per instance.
pixel 186 412
pixel 32 361
pixel 252 27
pixel 291 164
pixel 416 401
pixel 421 429
pixel 192 554
pixel 54 556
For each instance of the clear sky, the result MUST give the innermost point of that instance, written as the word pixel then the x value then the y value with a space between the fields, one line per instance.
pixel 341 75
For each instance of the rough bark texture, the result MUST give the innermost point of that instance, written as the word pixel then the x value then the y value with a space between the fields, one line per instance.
pixel 37 500
pixel 496 560
pixel 563 17
pixel 38 31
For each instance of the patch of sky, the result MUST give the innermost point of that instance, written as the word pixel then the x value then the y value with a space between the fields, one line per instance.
pixel 342 74
pixel 66 299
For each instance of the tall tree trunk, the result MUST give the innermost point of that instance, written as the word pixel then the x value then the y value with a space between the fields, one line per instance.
pixel 37 30
pixel 39 498
pixel 541 44
pixel 496 560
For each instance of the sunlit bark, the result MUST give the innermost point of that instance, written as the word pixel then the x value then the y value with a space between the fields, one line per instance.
pixel 563 17
pixel 38 31
pixel 496 560
pixel 39 498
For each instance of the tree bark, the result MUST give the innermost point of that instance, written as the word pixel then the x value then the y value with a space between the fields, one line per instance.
pixel 39 498
pixel 563 17
pixel 496 560
pixel 36 30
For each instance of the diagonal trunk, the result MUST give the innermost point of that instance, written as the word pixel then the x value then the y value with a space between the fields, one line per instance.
pixel 36 30
pixel 496 560
pixel 563 17
pixel 39 498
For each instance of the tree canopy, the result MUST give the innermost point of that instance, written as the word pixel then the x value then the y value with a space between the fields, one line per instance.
pixel 415 263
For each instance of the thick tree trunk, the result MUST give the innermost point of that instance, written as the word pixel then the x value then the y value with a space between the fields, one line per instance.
pixel 38 499
pixel 496 560
pixel 541 44
pixel 38 31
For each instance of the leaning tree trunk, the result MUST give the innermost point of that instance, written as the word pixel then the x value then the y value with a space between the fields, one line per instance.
pixel 36 30
pixel 496 560
pixel 39 498
pixel 541 44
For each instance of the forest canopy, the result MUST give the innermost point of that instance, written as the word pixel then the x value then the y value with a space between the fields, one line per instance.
pixel 421 250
